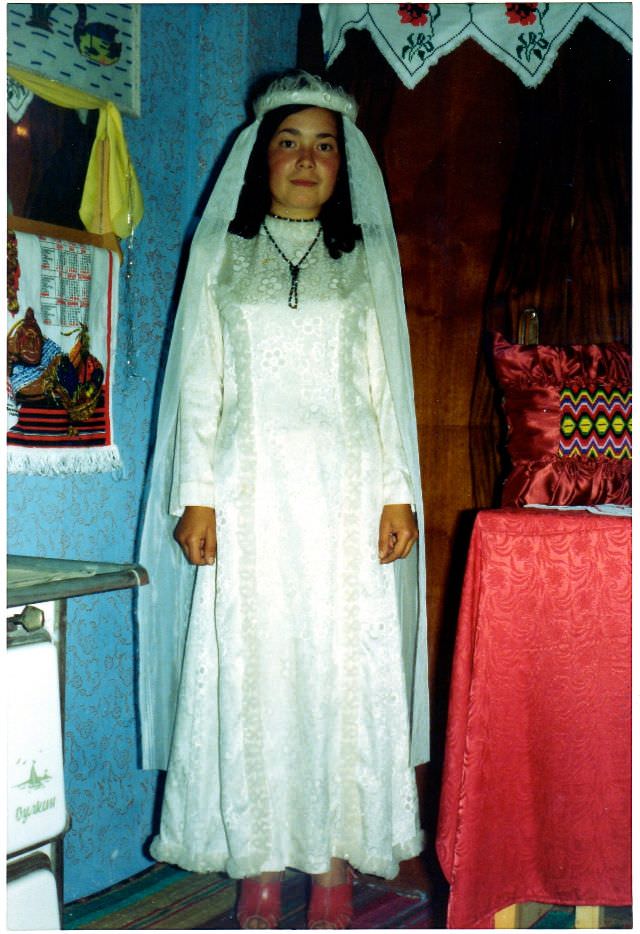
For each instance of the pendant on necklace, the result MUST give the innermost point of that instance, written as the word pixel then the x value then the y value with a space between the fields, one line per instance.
pixel 293 291
pixel 294 268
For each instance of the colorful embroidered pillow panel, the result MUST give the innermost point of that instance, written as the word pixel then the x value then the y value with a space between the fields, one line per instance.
pixel 568 419
pixel 595 423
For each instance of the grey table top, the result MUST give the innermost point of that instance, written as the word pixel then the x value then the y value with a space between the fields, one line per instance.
pixel 36 580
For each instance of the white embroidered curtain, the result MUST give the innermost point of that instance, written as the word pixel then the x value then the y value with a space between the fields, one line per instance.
pixel 524 36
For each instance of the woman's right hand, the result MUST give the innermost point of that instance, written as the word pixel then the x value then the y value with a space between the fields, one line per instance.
pixel 196 534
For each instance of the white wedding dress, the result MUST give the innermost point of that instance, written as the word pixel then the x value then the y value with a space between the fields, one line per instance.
pixel 291 742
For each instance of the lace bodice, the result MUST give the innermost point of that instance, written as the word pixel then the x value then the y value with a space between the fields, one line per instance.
pixel 320 365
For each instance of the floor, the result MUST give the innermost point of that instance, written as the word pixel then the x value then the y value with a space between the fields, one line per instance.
pixel 168 898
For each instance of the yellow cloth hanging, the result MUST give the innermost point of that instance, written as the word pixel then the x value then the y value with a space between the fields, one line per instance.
pixel 111 199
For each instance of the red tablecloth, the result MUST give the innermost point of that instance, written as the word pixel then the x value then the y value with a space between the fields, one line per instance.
pixel 536 798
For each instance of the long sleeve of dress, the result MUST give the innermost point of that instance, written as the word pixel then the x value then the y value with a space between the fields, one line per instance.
pixel 199 412
pixel 397 485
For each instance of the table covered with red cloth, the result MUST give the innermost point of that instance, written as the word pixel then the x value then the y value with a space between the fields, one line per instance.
pixel 536 795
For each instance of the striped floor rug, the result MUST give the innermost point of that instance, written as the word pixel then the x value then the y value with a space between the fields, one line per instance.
pixel 166 898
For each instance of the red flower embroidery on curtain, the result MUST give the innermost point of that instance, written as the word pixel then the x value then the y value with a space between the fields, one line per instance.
pixel 521 14
pixel 413 13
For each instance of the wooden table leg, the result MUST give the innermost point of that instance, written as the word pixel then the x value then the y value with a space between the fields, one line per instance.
pixel 522 915
pixel 506 918
pixel 589 916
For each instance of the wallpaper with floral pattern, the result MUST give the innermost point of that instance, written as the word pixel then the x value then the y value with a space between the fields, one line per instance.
pixel 198 61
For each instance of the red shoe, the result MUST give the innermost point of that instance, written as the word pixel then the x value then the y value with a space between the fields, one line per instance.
pixel 259 902
pixel 331 906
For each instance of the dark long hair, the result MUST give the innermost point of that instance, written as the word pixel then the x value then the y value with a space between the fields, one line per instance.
pixel 336 215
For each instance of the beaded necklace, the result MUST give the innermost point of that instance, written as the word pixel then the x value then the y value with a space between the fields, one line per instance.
pixel 294 220
pixel 294 268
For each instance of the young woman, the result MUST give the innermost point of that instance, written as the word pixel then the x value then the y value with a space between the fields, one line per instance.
pixel 287 447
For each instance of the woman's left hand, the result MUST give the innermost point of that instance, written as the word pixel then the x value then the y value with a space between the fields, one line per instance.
pixel 398 532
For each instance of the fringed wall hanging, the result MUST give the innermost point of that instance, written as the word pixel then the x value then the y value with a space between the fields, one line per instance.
pixel 62 307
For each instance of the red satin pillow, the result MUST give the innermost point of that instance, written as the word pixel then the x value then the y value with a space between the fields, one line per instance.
pixel 568 412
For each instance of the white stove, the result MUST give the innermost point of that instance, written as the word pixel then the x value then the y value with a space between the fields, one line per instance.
pixel 37 809
pixel 36 805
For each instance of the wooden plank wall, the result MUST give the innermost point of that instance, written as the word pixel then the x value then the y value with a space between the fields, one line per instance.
pixel 501 196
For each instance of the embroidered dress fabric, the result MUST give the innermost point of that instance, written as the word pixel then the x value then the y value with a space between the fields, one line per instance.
pixel 163 606
pixel 291 742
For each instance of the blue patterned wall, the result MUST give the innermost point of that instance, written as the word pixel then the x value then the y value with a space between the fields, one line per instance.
pixel 198 61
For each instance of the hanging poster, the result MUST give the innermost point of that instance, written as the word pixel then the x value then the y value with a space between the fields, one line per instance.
pixel 94 47
pixel 61 325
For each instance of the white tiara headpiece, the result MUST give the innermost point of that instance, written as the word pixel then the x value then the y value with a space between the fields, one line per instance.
pixel 303 88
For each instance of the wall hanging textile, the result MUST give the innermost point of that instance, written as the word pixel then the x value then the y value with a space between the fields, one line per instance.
pixel 524 36
pixel 111 199
pixel 94 48
pixel 62 303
